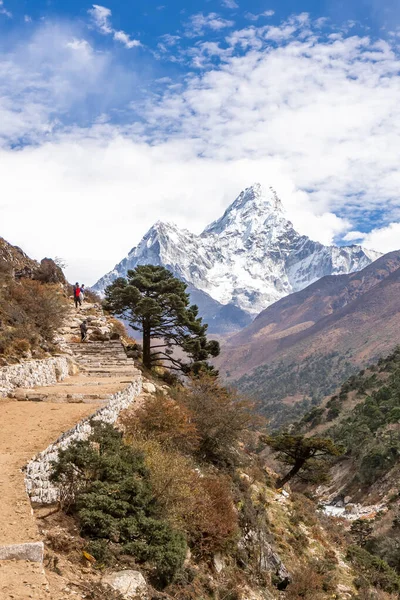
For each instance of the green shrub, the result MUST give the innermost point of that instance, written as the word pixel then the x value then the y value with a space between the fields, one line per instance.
pixel 153 541
pixel 108 489
pixel 373 569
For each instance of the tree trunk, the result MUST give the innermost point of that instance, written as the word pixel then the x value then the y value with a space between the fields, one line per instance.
pixel 146 347
pixel 293 471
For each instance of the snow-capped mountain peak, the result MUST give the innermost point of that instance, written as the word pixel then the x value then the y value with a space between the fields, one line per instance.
pixel 255 207
pixel 249 258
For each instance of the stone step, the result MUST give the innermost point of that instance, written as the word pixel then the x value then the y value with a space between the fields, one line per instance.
pixel 92 356
pixel 104 373
pixel 105 363
pixel 83 354
pixel 87 358
pixel 87 347
pixel 55 398
pixel 109 343
pixel 105 355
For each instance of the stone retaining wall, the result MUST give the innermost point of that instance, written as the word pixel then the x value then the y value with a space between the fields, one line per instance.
pixel 38 470
pixel 33 373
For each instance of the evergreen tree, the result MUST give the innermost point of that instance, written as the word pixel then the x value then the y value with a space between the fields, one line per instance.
pixel 306 455
pixel 156 303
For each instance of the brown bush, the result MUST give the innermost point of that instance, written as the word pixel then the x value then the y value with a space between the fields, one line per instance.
pixel 165 421
pixel 118 328
pixel 222 418
pixel 199 505
pixel 373 594
pixel 30 313
pixel 92 297
pixel 307 584
pixel 174 480
pixel 215 521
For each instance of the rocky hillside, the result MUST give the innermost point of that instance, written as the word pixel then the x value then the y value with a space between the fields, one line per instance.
pixel 302 347
pixel 364 416
pixel 14 261
pixel 203 519
pixel 32 304
pixel 243 262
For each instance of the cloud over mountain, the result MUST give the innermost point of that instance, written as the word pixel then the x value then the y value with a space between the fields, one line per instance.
pixel 308 108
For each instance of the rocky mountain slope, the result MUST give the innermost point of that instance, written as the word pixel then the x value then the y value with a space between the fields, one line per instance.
pixel 243 262
pixel 302 347
pixel 363 416
pixel 13 260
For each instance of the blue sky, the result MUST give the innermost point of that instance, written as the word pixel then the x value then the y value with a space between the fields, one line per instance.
pixel 117 114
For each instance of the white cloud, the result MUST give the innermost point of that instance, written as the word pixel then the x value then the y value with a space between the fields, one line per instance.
pixel 203 54
pixel 27 19
pixel 123 37
pixel 199 23
pixel 317 118
pixel 53 76
pixel 4 11
pixel 115 190
pixel 354 236
pixel 230 4
pixel 170 40
pixel 252 17
pixel 79 45
pixel 101 18
pixel 385 239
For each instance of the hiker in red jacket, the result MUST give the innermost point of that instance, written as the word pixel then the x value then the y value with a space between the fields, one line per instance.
pixel 77 295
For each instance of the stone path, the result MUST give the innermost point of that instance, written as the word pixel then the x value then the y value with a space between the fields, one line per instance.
pixel 30 421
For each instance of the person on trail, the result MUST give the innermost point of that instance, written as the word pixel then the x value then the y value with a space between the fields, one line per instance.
pixel 77 295
pixel 84 331
pixel 82 293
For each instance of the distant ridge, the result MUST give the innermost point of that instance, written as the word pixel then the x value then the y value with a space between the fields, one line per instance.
pixel 307 343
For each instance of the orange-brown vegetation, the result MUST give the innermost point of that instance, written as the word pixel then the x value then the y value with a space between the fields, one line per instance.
pixel 30 313
pixel 164 420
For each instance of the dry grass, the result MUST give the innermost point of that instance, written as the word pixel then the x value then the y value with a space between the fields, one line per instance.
pixel 30 314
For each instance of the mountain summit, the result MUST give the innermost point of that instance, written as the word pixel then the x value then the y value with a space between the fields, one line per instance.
pixel 252 209
pixel 243 262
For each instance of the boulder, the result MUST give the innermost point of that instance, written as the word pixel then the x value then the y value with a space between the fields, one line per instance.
pixel 268 560
pixel 149 387
pixel 99 334
pixel 219 562
pixel 130 584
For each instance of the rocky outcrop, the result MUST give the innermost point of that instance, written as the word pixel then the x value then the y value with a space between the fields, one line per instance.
pixel 130 584
pixel 33 373
pixel 268 560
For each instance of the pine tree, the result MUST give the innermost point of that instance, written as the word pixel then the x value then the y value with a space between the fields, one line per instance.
pixel 156 303
pixel 306 455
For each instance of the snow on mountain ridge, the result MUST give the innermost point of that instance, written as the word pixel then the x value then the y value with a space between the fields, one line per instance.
pixel 250 257
pixel 252 208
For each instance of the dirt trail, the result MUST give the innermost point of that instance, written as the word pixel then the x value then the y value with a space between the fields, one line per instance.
pixel 29 427
pixel 26 429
